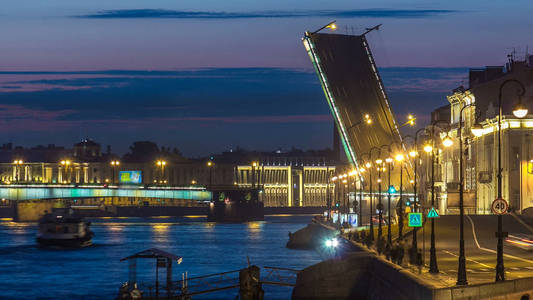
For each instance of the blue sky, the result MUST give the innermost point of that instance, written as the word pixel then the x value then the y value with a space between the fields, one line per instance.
pixel 206 76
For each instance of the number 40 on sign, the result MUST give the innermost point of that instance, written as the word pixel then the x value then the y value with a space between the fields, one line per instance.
pixel 499 206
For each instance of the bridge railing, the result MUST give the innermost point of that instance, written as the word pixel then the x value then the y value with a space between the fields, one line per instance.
pixel 220 281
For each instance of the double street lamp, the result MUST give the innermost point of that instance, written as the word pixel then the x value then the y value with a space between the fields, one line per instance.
pixel 114 164
pixel 66 163
pixel 161 164
pixel 17 163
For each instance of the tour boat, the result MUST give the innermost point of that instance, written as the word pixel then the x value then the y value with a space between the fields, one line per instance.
pixel 64 230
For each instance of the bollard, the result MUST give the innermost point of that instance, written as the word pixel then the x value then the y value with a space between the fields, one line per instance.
pixel 250 286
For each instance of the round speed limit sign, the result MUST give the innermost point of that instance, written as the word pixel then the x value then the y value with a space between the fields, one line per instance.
pixel 499 206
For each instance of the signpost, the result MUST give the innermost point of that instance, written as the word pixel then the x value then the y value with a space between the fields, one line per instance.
pixel 415 219
pixel 433 213
pixel 499 206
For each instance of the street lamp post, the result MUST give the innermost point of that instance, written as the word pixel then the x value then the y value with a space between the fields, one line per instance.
pixel 17 163
pixel 210 166
pixel 433 267
pixel 161 164
pixel 333 179
pixel 331 25
pixel 344 204
pixel 66 164
pixel 379 162
pixel 389 232
pixel 361 187
pixel 461 272
pixel 399 158
pixel 114 164
pixel 519 111
pixel 254 166
pixel 372 198
pixel 355 204
pixel 414 154
pixel 368 166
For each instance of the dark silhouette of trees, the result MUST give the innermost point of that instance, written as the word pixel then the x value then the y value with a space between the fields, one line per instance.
pixel 147 151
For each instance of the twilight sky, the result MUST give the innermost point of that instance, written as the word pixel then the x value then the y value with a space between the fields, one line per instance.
pixel 205 76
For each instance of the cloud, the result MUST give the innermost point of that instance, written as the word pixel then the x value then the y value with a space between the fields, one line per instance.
pixel 440 80
pixel 196 110
pixel 177 14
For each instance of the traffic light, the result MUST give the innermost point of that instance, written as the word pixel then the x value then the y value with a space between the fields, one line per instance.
pixel 337 204
pixel 408 203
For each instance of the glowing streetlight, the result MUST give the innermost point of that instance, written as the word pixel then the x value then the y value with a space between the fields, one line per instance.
pixel 411 120
pixel 447 142
pixel 412 153
pixel 399 157
pixel 331 25
pixel 428 148
pixel 520 110
pixel 368 120
pixel 477 130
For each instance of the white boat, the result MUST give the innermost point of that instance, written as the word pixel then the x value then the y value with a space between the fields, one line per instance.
pixel 64 230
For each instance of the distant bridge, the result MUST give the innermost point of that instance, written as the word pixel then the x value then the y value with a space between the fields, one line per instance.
pixel 18 192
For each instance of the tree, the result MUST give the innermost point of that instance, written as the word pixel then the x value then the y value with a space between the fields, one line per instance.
pixel 142 151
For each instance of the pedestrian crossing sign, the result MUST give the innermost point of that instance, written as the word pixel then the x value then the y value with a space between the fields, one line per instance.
pixel 415 219
pixel 433 213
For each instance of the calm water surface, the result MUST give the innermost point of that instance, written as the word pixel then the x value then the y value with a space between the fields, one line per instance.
pixel 28 272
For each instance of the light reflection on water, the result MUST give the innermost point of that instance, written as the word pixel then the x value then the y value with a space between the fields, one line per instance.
pixel 96 272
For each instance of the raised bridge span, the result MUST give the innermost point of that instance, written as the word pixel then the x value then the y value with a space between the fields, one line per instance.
pixel 43 192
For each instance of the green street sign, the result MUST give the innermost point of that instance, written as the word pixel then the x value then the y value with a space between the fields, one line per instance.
pixel 415 219
pixel 433 213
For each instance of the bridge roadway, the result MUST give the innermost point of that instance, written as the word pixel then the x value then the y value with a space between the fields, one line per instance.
pixel 480 246
pixel 57 191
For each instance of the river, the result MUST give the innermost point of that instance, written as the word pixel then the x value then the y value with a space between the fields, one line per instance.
pixel 29 272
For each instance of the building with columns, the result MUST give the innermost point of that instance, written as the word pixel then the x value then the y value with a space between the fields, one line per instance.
pixel 289 185
pixel 480 103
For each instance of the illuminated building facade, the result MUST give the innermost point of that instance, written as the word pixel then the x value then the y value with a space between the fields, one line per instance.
pixel 289 185
pixel 175 174
pixel 481 150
